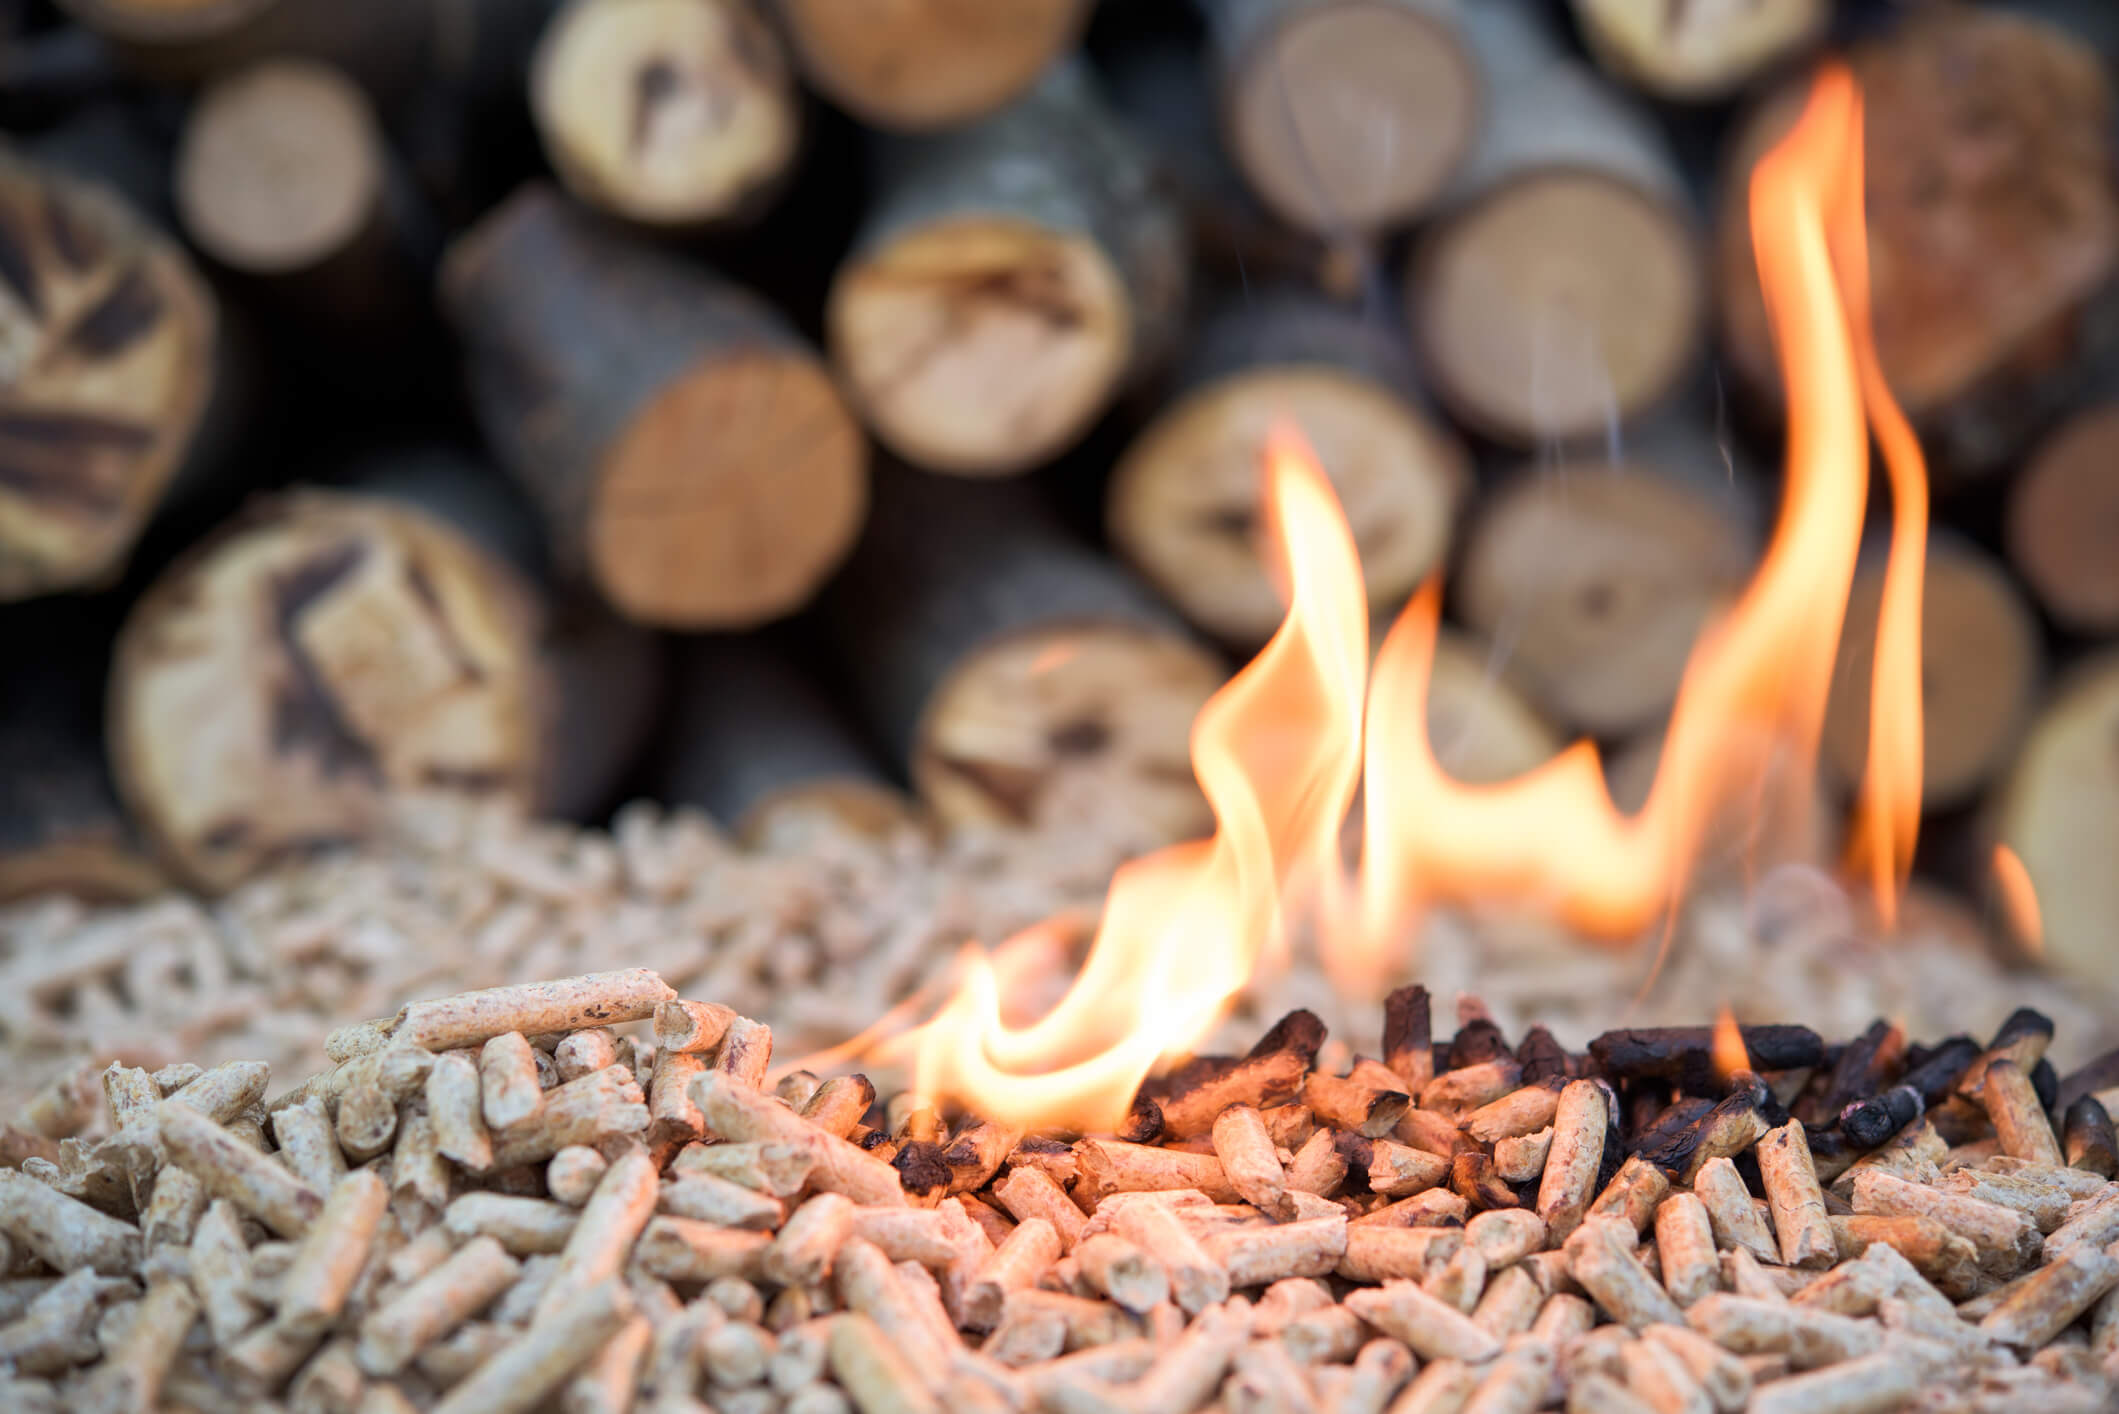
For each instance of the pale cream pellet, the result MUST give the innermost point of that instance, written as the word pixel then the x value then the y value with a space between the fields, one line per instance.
pixel 875 1373
pixel 741 1113
pixel 838 1104
pixel 2019 1120
pixel 1522 1111
pixel 672 1117
pixel 1600 1256
pixel 174 1209
pixel 870 1285
pixel 446 1362
pixel 2005 1239
pixel 1684 1238
pixel 509 1092
pixel 1517 1383
pixel 1799 1219
pixel 1661 1379
pixel 1869 1385
pixel 1599 1393
pixel 1460 1281
pixel 524 1226
pixel 801 1253
pixel 1188 1370
pixel 611 1379
pixel 2051 1299
pixel 819 1399
pixel 738 1299
pixel 610 1221
pixel 1124 1272
pixel 602 1105
pixel 456 1107
pixel 1522 1159
pixel 130 1377
pixel 1505 1235
pixel 690 1026
pixel 678 1249
pixel 417 1168
pixel 1745 1275
pixel 1396 1170
pixel 329 1381
pixel 1809 1338
pixel 225 1091
pixel 1247 1157
pixel 1441 1387
pixel 1377 1254
pixel 1562 1318
pixel 1434 1329
pixel 1327 1336
pixel 1736 1219
pixel 580 1052
pixel 66 1232
pixel 265 1358
pixel 1634 1193
pixel 572 1174
pixel 716 1200
pixel 745 1053
pixel 1031 1193
pixel 308 1144
pixel 1318 1167
pixel 434 1305
pixel 1017 1262
pixel 519 1375
pixel 1720 1375
pixel 798 1358
pixel 228 1168
pixel 1196 1279
pixel 735 1354
pixel 1267 1380
pixel 779 1169
pixel 1577 1149
pixel 331 1254
pixel 1258 1255
pixel 532 1008
pixel 220 1273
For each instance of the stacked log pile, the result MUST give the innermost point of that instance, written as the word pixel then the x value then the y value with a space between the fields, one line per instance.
pixel 898 373
pixel 593 1191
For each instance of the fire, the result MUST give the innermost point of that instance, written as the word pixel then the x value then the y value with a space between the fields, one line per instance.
pixel 2019 899
pixel 1730 1053
pixel 1281 749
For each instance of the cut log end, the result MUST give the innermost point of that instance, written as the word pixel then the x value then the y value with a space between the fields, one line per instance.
pixel 270 692
pixel 1184 500
pixel 106 362
pixel 666 112
pixel 1350 115
pixel 2063 521
pixel 1481 728
pixel 981 345
pixel 1599 579
pixel 1979 667
pixel 1085 724
pixel 2059 811
pixel 1560 302
pixel 786 817
pixel 280 168
pixel 1697 52
pixel 751 538
pixel 918 65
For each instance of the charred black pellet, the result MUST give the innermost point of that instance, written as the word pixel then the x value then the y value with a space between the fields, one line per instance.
pixel 2088 1138
pixel 2046 1082
pixel 1936 1077
pixel 1476 1042
pixel 1541 1057
pixel 2099 1074
pixel 1868 1123
pixel 1672 1051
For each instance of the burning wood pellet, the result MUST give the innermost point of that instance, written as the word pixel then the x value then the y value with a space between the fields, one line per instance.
pixel 773 1263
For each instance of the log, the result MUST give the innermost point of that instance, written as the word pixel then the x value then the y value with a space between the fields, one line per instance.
pixel 922 65
pixel 63 830
pixel 1009 278
pixel 1022 678
pixel 671 113
pixel 1344 115
pixel 1697 52
pixel 275 687
pixel 1165 93
pixel 1597 577
pixel 1481 728
pixel 284 178
pixel 2058 809
pixel 1183 503
pixel 386 43
pixel 1784 819
pixel 1562 290
pixel 2061 510
pixel 1980 670
pixel 109 336
pixel 1993 228
pixel 687 450
pixel 759 745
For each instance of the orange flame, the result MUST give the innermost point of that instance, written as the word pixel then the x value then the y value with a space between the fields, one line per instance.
pixel 1280 750
pixel 1730 1053
pixel 2019 899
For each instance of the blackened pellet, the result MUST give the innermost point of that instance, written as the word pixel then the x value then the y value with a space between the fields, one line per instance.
pixel 2046 1082
pixel 1669 1051
pixel 2088 1138
pixel 1936 1077
pixel 1868 1123
pixel 1541 1056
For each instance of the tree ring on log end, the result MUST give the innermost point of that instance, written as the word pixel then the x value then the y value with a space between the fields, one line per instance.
pixel 1184 498
pixel 667 112
pixel 1979 671
pixel 1599 579
pixel 2063 523
pixel 1086 725
pixel 2059 811
pixel 280 167
pixel 730 496
pixel 106 363
pixel 1351 116
pixel 275 687
pixel 1557 304
pixel 1695 52
pixel 981 345
pixel 919 65
pixel 779 820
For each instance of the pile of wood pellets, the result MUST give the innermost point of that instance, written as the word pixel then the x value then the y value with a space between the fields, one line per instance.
pixel 592 1195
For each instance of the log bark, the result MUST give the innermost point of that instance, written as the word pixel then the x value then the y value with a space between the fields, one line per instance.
pixel 1562 291
pixel 688 451
pixel 923 65
pixel 1698 52
pixel 1022 677
pixel 109 340
pixel 759 745
pixel 385 43
pixel 1993 228
pixel 2061 513
pixel 1183 504
pixel 1010 277
pixel 671 113
pixel 1344 115
pixel 1597 577
pixel 63 830
pixel 273 689
pixel 1980 670
pixel 284 178
pixel 2058 809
